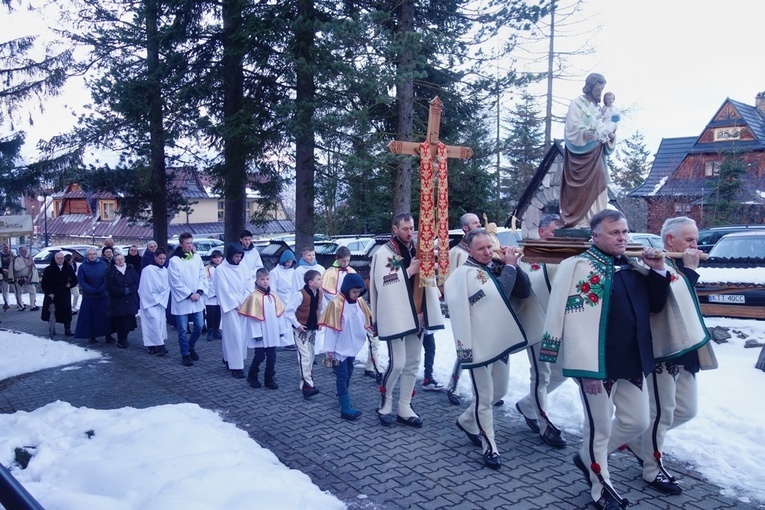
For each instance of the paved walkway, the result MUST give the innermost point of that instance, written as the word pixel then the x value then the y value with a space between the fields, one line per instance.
pixel 362 463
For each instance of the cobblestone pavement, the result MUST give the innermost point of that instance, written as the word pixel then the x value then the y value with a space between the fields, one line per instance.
pixel 362 463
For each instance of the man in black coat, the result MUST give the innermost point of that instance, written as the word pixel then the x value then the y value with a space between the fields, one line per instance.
pixel 58 278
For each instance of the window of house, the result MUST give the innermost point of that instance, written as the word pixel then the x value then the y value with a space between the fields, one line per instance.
pixel 682 208
pixel 221 210
pixel 711 169
pixel 108 210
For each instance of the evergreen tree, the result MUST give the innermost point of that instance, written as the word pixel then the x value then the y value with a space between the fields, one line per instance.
pixel 24 82
pixel 631 163
pixel 523 150
pixel 726 197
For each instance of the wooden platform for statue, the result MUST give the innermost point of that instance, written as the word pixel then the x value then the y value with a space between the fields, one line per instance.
pixel 553 251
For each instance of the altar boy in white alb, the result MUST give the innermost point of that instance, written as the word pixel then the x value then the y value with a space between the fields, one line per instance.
pixel 267 329
pixel 233 284
pixel 486 331
pixel 154 291
pixel 395 317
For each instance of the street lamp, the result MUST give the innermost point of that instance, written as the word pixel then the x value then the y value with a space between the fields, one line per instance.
pixel 43 199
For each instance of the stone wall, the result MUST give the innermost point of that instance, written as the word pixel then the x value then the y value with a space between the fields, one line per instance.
pixel 544 201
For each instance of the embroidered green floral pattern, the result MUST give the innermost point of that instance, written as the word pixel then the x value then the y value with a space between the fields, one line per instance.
pixel 464 354
pixel 394 263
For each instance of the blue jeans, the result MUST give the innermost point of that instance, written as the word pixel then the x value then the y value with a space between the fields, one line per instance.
pixel 343 373
pixel 182 322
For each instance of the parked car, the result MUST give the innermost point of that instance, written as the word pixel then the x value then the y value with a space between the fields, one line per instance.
pixel 709 236
pixel 359 245
pixel 731 283
pixel 647 240
pixel 78 252
pixel 203 246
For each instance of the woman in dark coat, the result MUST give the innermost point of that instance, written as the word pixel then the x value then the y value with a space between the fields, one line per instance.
pixel 57 280
pixel 93 320
pixel 122 285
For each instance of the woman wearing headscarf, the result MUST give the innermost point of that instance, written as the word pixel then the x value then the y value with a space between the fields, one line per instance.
pixel 58 278
pixel 233 283
pixel 122 285
pixel 107 254
pixel 134 259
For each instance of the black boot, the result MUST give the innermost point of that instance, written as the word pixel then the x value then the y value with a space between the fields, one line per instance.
pixel 252 374
pixel 68 330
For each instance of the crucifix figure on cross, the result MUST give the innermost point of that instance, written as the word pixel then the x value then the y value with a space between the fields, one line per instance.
pixel 434 196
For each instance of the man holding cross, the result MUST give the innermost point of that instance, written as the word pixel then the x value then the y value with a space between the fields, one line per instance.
pixel 398 318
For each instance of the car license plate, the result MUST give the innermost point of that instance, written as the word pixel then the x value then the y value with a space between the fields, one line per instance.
pixel 727 298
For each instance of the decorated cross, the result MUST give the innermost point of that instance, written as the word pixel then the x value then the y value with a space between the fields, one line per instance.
pixel 434 196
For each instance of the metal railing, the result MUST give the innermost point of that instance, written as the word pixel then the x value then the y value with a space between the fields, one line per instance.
pixel 13 495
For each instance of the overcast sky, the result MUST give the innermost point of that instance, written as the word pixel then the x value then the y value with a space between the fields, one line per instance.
pixel 671 63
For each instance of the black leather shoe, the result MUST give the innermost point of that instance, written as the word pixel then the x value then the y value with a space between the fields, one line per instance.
pixel 152 349
pixel 254 383
pixel 34 308
pixel 454 399
pixel 666 486
pixel 474 438
pixel 237 374
pixel 492 460
pixel 579 463
pixel 499 403
pixel 194 355
pixel 370 373
pixel 553 437
pixel 186 360
pixel 386 420
pixel 271 384
pixel 412 421
pixel 110 339
pixel 607 502
pixel 532 424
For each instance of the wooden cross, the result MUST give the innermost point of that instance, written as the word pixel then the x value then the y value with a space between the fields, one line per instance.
pixel 434 125
pixel 438 154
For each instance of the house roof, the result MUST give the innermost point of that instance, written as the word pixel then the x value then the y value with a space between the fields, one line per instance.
pixel 555 150
pixel 84 225
pixel 750 117
pixel 671 153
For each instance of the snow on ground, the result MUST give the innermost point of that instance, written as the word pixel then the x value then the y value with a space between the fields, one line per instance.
pixel 170 456
pixel 731 274
pixel 23 353
pixel 181 455
pixel 724 442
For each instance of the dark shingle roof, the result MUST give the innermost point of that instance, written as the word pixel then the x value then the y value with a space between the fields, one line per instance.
pixel 82 225
pixel 671 153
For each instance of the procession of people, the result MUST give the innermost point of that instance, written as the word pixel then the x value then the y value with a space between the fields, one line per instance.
pixel 625 329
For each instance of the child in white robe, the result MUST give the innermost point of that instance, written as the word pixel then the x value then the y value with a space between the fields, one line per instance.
pixel 281 276
pixel 212 305
pixel 347 319
pixel 154 293
pixel 266 327
pixel 232 281
pixel 307 261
